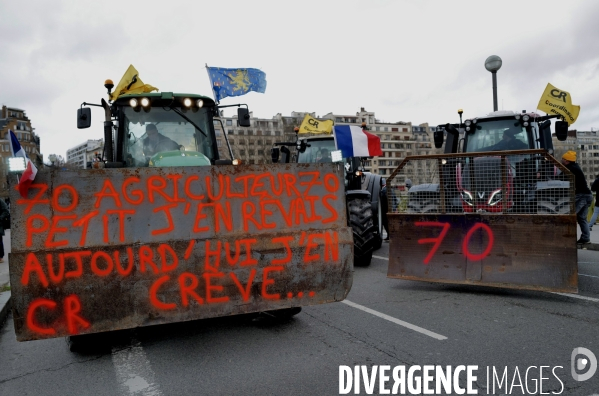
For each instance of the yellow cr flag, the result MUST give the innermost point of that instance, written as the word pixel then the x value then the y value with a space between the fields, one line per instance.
pixel 131 84
pixel 556 101
pixel 312 125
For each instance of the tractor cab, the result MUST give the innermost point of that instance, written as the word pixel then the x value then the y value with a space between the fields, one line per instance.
pixel 160 130
pixel 177 131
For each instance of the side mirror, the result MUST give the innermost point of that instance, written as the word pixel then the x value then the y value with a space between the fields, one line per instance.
pixel 274 154
pixel 439 137
pixel 561 130
pixel 243 117
pixel 84 118
pixel 286 157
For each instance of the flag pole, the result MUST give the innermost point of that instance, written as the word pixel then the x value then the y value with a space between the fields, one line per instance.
pixel 211 84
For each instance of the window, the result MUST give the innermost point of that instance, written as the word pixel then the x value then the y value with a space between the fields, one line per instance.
pixel 404 129
pixel 259 141
pixel 231 142
pixel 241 152
pixel 277 133
pixel 230 131
pixel 386 129
pixel 229 122
pixel 387 137
pixel 377 129
pixel 260 152
pixel 251 152
pixel 394 129
pixel 252 162
pixel 250 132
pixel 240 132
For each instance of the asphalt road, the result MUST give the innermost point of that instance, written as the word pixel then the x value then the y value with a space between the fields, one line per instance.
pixel 383 322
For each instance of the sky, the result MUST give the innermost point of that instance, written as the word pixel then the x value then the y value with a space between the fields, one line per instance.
pixel 412 61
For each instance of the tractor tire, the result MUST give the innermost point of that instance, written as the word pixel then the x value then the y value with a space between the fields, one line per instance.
pixel 362 224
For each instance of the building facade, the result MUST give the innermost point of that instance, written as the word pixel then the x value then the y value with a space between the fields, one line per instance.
pixel 82 155
pixel 253 144
pixel 16 120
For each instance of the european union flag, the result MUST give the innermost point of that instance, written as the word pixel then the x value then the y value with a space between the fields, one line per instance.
pixel 235 82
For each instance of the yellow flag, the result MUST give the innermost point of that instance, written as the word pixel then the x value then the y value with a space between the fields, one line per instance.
pixel 312 125
pixel 556 101
pixel 131 84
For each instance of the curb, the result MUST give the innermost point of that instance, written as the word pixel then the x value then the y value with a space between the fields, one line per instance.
pixel 5 305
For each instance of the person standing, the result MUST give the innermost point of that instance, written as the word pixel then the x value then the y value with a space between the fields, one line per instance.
pixel 595 187
pixel 4 213
pixel 583 198
pixel 384 208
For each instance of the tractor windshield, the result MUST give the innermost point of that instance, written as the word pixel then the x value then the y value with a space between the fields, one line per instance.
pixel 317 151
pixel 497 135
pixel 162 130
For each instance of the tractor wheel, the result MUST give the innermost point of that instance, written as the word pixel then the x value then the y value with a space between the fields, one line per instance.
pixel 361 222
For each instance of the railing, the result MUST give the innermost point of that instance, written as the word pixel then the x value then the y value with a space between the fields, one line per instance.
pixel 512 182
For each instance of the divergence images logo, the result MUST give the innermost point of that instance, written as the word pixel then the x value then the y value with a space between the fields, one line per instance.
pixel 581 363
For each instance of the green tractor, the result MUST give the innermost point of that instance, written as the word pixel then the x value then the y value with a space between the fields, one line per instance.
pixel 362 190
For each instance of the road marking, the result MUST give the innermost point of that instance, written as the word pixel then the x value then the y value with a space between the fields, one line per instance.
pixel 394 320
pixel 592 276
pixel 381 258
pixel 133 371
pixel 579 297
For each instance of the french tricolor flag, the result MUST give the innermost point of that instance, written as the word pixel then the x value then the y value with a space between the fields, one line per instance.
pixel 353 141
pixel 30 169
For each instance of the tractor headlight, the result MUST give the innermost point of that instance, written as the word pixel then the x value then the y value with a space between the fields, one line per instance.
pixel 133 102
pixel 200 103
pixel 145 102
pixel 467 197
pixel 187 102
pixel 525 117
pixel 236 162
pixel 468 122
pixel 495 198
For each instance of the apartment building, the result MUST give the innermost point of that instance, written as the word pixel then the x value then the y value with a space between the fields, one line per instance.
pixel 16 120
pixel 85 153
pixel 253 144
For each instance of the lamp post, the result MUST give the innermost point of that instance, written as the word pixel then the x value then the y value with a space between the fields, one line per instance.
pixel 492 64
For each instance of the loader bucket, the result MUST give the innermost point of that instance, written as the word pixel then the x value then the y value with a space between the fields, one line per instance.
pixel 109 249
pixel 447 228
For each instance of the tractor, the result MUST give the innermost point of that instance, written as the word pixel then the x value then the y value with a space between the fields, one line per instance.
pixel 165 230
pixel 475 211
pixel 362 189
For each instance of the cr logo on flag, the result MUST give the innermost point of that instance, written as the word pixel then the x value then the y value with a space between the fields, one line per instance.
pixel 313 122
pixel 556 93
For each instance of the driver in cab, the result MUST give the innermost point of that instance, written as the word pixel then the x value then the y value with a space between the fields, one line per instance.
pixel 156 142
pixel 509 142
pixel 325 156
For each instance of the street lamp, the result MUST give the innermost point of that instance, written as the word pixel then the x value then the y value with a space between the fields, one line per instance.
pixel 492 64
